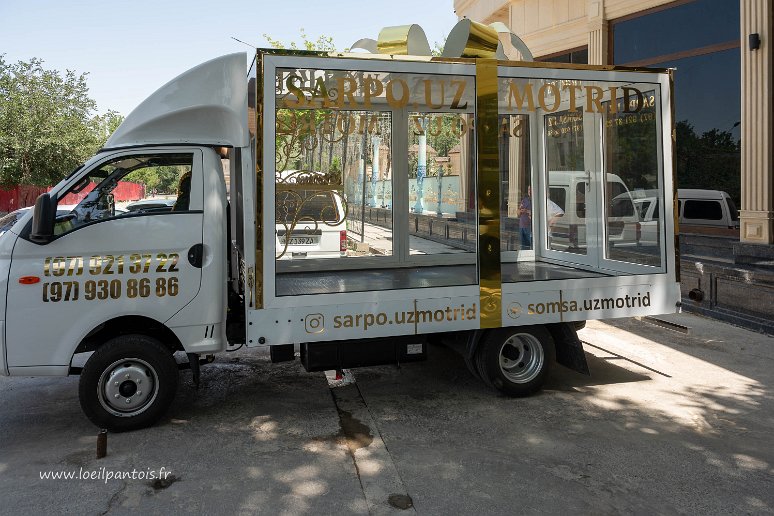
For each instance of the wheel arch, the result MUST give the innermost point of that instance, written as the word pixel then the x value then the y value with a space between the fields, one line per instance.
pixel 125 325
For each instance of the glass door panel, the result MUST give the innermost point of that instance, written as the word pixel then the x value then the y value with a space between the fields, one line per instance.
pixel 632 193
pixel 441 184
pixel 569 197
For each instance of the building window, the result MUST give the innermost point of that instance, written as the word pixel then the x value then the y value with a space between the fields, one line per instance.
pixel 574 56
pixel 700 38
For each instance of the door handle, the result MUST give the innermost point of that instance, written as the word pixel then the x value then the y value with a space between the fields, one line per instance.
pixel 196 255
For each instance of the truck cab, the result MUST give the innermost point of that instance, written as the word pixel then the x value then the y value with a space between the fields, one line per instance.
pixel 96 278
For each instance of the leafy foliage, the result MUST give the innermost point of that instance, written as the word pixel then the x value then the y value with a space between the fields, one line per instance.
pixel 632 148
pixel 443 134
pixel 157 180
pixel 708 161
pixel 47 126
pixel 323 43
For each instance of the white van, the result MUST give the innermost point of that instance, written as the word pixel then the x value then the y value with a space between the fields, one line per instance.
pixel 708 208
pixel 648 210
pixel 568 191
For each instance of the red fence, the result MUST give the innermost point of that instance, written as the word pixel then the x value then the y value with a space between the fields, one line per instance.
pixel 19 197
pixel 125 191
pixel 22 196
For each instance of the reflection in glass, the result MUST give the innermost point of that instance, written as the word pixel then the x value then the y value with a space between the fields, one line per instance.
pixel 701 39
pixel 516 178
pixel 632 192
pixel 333 186
pixel 708 146
pixel 441 184
pixel 568 183
pixel 689 25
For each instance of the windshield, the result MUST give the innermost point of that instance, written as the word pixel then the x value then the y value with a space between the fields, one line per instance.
pixel 128 184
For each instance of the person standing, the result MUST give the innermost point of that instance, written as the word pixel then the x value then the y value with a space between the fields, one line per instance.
pixel 525 220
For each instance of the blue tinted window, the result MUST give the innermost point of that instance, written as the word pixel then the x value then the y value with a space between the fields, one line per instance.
pixel 707 114
pixel 708 91
pixel 684 27
pixel 701 40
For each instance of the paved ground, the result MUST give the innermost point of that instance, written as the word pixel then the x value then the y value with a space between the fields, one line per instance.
pixel 667 423
pixel 379 240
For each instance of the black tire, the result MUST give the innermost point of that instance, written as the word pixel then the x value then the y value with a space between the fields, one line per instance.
pixel 516 360
pixel 148 382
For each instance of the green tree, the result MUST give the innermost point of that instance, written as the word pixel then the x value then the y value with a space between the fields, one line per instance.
pixel 47 126
pixel 321 44
pixel 708 161
pixel 293 145
pixel 441 133
pixel 106 124
pixel 157 180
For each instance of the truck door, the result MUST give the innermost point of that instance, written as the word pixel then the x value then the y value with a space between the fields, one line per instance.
pixel 127 238
pixel 604 152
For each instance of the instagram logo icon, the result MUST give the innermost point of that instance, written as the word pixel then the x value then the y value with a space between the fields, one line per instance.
pixel 314 323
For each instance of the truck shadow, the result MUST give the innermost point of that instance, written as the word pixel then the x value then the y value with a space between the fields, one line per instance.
pixel 603 369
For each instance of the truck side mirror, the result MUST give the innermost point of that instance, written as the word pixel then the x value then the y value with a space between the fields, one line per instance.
pixel 43 218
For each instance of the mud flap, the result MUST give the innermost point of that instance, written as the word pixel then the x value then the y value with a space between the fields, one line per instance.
pixel 193 360
pixel 469 352
pixel 569 349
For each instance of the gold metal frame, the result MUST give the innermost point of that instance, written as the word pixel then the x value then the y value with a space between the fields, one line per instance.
pixel 257 277
pixel 488 186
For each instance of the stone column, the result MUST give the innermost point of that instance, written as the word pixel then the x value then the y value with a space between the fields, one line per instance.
pixel 598 32
pixel 375 173
pixel 515 173
pixel 757 210
pixel 419 206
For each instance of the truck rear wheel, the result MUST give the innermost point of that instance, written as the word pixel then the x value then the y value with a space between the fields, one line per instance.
pixel 516 360
pixel 128 383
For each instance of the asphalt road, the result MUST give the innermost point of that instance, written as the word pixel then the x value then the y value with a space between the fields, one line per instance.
pixel 667 423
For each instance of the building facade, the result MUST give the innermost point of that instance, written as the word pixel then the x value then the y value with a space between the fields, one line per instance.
pixel 723 84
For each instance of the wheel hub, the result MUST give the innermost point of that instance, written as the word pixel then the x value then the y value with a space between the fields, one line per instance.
pixel 521 358
pixel 127 389
pixel 128 386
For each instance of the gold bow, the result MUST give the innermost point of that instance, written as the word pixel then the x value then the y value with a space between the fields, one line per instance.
pixel 467 39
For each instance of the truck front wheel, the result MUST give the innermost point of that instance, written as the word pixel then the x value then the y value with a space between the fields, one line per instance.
pixel 128 383
pixel 516 360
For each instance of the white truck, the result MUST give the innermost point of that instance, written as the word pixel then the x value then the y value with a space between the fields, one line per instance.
pixel 134 291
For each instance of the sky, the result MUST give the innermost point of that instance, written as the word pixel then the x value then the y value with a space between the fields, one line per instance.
pixel 130 48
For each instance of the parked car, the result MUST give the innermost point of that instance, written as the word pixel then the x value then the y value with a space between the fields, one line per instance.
pixel 150 205
pixel 648 211
pixel 7 221
pixel 707 208
pixel 310 224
